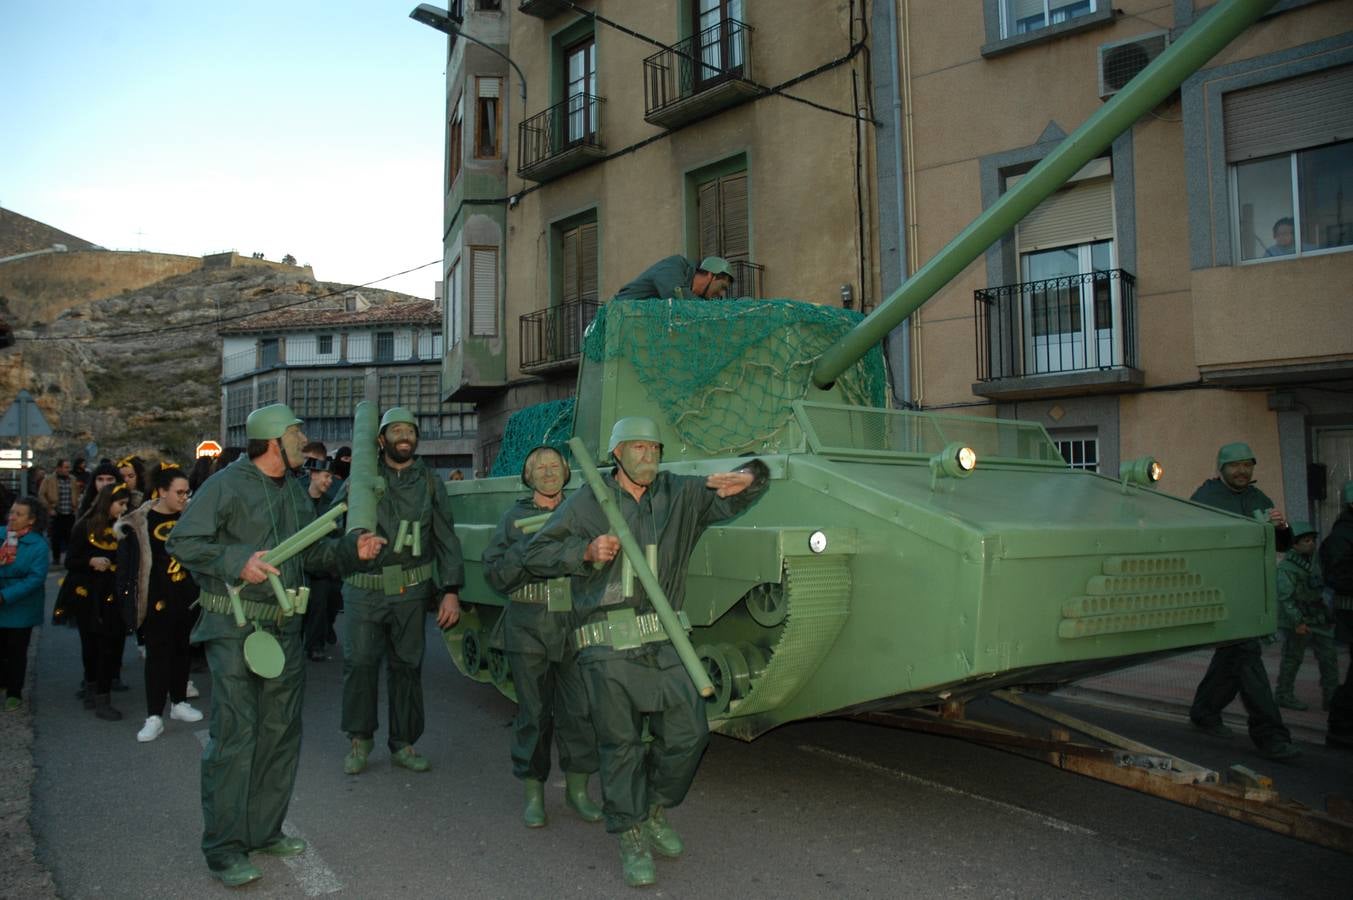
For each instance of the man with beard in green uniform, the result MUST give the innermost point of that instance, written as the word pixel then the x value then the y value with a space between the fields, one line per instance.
pixel 625 684
pixel 1238 668
pixel 544 666
pixel 384 605
pixel 249 764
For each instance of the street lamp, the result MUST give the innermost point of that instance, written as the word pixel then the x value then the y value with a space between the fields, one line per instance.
pixel 439 19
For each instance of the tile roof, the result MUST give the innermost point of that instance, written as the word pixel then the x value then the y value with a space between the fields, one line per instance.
pixel 420 312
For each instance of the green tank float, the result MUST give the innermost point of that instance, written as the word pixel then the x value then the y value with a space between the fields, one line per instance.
pixel 900 559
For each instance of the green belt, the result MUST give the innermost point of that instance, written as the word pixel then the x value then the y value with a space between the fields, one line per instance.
pixel 647 629
pixel 253 610
pixel 372 582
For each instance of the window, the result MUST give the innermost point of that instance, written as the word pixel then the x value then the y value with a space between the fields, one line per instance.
pixel 266 393
pixel 718 24
pixel 578 258
pixel 580 91
pixel 484 291
pixel 1073 312
pixel 385 346
pixel 452 314
pixel 489 5
pixel 721 211
pixel 330 396
pixel 1024 16
pixel 487 124
pixel 1079 452
pixel 1290 148
pixel 454 151
pixel 324 344
pixel 269 353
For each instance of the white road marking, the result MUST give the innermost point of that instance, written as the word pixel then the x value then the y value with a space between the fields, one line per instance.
pixel 1047 821
pixel 314 875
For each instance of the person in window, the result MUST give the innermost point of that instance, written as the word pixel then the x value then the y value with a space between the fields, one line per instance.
pixel 1284 238
pixel 677 278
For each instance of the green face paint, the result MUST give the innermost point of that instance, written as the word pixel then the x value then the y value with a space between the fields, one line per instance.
pixel 640 459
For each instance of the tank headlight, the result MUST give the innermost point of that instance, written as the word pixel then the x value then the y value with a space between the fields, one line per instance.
pixel 817 542
pixel 1144 471
pixel 954 461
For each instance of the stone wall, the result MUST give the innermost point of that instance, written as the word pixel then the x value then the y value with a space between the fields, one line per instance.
pixel 37 289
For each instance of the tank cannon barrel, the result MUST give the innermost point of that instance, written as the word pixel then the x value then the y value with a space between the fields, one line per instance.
pixel 1203 40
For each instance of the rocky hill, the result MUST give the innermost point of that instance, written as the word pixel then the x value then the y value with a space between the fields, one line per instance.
pixel 139 372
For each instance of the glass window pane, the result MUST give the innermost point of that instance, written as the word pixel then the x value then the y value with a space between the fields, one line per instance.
pixel 1325 180
pixel 1264 206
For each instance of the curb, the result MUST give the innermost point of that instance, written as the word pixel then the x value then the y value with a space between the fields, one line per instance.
pixel 21 873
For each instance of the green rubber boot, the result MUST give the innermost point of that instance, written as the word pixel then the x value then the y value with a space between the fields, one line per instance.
pixel 635 860
pixel 355 761
pixel 237 873
pixel 662 837
pixel 408 758
pixel 575 797
pixel 534 815
pixel 284 847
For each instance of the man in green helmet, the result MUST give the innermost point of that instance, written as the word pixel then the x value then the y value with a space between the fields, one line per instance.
pixel 551 698
pixel 249 764
pixel 677 278
pixel 625 680
pixel 1238 668
pixel 384 604
pixel 1336 559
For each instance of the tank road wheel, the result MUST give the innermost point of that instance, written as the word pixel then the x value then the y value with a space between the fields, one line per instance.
pixel 738 669
pixel 472 651
pixel 498 668
pixel 756 657
pixel 720 675
pixel 768 604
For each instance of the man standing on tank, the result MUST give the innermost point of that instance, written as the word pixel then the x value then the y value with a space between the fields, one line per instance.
pixel 551 699
pixel 1239 667
pixel 677 278
pixel 625 683
pixel 385 604
pixel 249 764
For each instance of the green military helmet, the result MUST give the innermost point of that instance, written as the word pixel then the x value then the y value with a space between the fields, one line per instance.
pixel 1236 452
pixel 634 428
pixel 397 414
pixel 269 422
pixel 716 265
pixel 1302 528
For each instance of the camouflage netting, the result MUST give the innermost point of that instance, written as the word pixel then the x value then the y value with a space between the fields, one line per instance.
pixel 725 372
pixel 545 423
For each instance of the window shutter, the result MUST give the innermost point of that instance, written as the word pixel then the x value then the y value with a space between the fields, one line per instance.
pixel 489 87
pixel 587 262
pixel 484 292
pixel 733 211
pixel 1075 215
pixel 707 210
pixel 1023 9
pixel 1289 115
pixel 569 250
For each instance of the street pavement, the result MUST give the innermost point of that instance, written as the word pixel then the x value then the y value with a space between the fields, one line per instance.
pixel 828 808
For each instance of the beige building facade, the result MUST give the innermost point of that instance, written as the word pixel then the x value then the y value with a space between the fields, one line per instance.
pixel 1189 288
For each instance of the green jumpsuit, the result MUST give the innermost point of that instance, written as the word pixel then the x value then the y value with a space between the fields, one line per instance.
pixel 1301 601
pixel 385 604
pixel 249 764
pixel 666 279
pixel 1239 668
pixel 624 686
pixel 544 666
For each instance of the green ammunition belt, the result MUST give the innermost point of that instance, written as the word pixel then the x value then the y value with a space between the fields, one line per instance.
pixel 650 630
pixel 369 582
pixel 253 610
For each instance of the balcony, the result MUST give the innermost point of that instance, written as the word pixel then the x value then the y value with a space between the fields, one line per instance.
pixel 1075 334
pixel 542 9
pixel 553 338
pixel 562 138
pixel 698 76
pixel 746 279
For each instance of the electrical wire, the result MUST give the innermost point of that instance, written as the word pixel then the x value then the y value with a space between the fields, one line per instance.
pixel 216 322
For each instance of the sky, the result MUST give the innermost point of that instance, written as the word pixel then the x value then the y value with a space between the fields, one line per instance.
pixel 274 126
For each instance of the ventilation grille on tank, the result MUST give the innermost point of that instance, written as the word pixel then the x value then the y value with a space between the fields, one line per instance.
pixel 1141 593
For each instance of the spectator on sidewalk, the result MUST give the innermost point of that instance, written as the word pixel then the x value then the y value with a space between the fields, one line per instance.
pixel 59 493
pixel 1336 559
pixel 1238 668
pixel 24 558
pixel 1304 619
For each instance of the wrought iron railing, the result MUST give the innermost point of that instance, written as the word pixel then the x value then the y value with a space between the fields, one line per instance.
pixel 555 334
pixel 573 122
pixel 746 279
pixel 1073 323
pixel 711 56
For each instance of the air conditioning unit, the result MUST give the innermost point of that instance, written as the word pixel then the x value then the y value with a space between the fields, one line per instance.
pixel 1120 61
